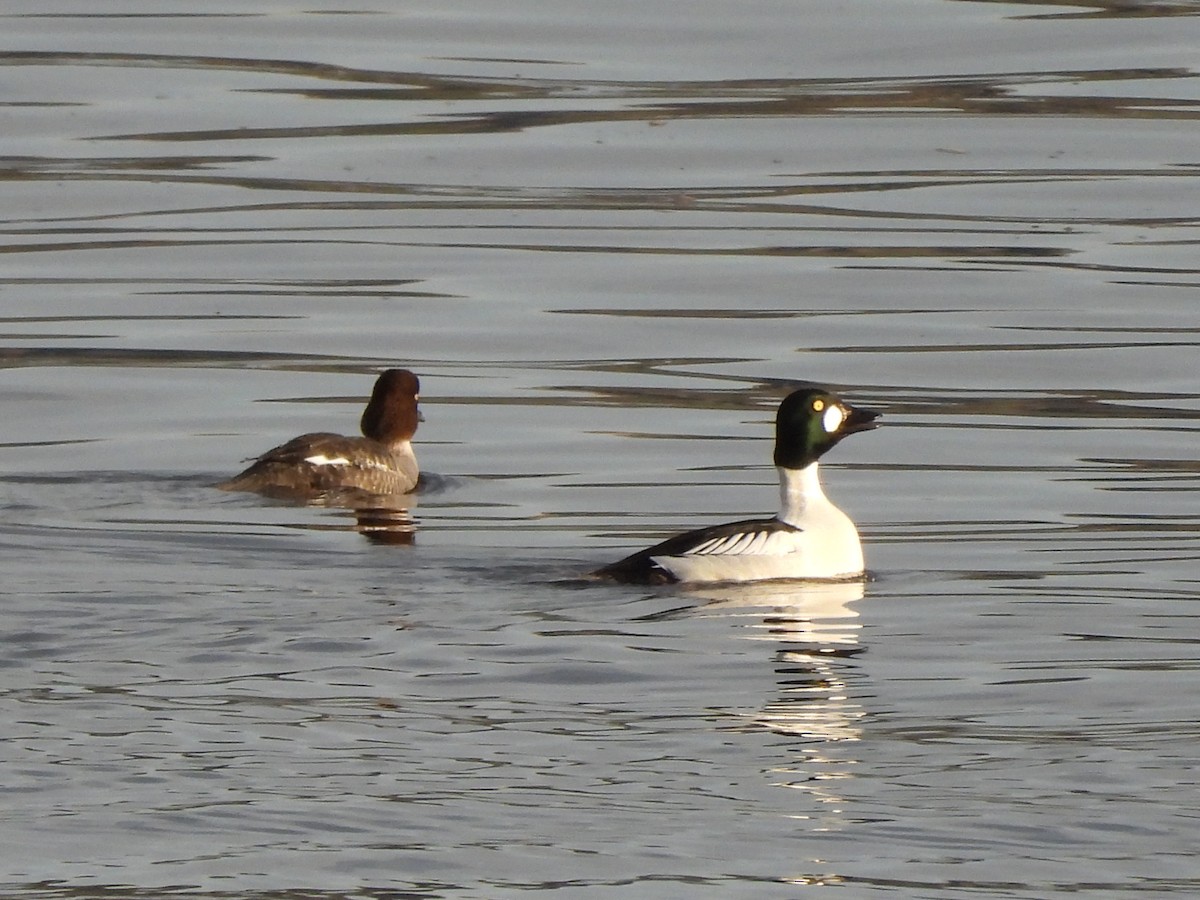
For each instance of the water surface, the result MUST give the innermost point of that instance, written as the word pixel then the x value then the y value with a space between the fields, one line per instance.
pixel 608 238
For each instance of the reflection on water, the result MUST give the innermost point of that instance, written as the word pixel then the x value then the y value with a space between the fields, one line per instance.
pixel 817 631
pixel 379 519
pixel 385 526
pixel 807 612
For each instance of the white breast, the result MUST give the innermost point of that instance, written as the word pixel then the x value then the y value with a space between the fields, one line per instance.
pixel 824 546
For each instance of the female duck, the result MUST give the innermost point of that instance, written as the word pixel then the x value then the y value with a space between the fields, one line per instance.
pixel 809 538
pixel 379 462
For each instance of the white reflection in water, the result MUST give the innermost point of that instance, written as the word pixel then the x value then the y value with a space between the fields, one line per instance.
pixel 812 612
pixel 817 631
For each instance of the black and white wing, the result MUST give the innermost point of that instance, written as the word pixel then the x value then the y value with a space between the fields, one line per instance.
pixel 737 540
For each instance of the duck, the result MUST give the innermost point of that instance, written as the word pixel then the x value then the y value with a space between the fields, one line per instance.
pixel 381 462
pixel 809 538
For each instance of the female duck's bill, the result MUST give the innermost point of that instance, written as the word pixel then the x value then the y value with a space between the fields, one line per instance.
pixel 809 538
pixel 381 462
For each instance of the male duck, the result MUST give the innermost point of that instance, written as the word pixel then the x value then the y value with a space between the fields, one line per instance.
pixel 809 538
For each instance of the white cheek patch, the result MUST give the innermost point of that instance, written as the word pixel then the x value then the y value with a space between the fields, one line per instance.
pixel 321 459
pixel 833 419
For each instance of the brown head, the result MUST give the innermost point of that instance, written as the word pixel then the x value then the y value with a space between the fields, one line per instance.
pixel 392 413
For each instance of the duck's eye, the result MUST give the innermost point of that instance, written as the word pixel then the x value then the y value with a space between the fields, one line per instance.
pixel 818 405
pixel 833 418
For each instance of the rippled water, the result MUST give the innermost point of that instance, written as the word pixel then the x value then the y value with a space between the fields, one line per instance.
pixel 608 237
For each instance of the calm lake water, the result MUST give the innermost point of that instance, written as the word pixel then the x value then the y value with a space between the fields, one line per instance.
pixel 608 236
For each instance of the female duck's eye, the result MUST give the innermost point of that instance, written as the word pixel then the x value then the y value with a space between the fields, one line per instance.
pixel 833 418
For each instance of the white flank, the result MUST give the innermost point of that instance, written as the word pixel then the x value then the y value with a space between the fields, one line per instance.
pixel 825 546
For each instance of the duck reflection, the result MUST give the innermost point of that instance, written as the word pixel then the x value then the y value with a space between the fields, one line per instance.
pixel 817 630
pixel 386 525
pixel 381 519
